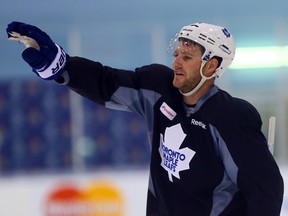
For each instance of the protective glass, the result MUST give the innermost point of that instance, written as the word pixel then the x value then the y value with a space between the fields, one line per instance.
pixel 181 45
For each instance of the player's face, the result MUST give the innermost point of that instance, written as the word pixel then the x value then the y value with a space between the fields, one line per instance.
pixel 186 66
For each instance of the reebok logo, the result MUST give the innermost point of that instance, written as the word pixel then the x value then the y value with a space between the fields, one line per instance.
pixel 198 123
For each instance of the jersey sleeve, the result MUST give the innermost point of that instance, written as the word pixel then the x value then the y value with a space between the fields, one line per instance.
pixel 128 90
pixel 258 177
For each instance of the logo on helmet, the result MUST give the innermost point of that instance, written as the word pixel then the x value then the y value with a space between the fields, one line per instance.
pixel 226 33
pixel 207 56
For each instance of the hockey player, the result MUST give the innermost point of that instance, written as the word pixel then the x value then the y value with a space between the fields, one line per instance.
pixel 208 154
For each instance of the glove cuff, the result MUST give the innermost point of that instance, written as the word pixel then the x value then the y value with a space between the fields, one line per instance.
pixel 56 68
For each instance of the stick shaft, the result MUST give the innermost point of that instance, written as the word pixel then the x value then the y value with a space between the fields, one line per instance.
pixel 271 133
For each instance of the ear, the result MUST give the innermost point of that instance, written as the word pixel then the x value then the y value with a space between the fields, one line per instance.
pixel 211 66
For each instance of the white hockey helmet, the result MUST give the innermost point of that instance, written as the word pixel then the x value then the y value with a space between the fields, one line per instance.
pixel 216 40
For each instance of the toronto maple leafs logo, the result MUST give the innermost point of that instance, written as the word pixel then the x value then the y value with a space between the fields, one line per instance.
pixel 226 33
pixel 174 159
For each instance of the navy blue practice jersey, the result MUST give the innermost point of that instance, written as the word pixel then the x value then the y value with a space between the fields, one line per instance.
pixel 207 160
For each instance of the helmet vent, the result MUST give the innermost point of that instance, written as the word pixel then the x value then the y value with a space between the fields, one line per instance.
pixel 211 41
pixel 205 38
pixel 202 37
pixel 225 49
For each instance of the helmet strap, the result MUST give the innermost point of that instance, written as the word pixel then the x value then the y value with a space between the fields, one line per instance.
pixel 203 79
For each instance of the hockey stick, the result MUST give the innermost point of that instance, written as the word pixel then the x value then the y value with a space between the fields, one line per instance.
pixel 271 133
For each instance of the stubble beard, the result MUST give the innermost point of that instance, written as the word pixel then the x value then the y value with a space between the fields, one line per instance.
pixel 183 86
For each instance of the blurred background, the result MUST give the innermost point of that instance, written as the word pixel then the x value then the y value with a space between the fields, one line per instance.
pixel 47 130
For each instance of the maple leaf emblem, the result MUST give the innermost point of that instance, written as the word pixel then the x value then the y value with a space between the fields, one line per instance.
pixel 174 159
